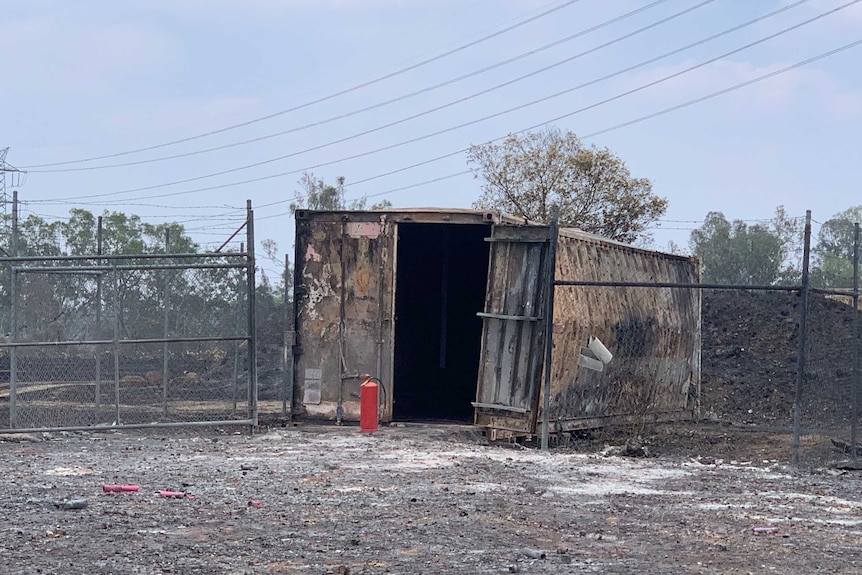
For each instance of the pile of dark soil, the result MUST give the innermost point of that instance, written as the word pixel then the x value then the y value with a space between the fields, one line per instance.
pixel 749 359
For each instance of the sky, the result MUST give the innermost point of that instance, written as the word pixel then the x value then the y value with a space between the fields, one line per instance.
pixel 242 96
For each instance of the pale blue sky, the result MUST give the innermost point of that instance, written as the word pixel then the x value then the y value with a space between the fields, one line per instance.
pixel 84 79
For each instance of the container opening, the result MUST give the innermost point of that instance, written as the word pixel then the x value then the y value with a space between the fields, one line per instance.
pixel 441 278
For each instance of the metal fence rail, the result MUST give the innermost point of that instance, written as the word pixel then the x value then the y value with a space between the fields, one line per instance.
pixel 129 340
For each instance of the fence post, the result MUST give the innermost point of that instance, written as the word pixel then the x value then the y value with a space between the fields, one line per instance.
pixel 550 277
pixel 252 320
pixel 854 426
pixel 116 343
pixel 98 397
pixel 237 324
pixel 167 305
pixel 289 335
pixel 13 353
pixel 801 341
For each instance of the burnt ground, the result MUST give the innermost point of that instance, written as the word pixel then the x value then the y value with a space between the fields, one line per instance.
pixel 713 497
pixel 415 499
pixel 750 358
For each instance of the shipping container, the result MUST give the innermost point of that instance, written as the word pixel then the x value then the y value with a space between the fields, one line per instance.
pixel 446 308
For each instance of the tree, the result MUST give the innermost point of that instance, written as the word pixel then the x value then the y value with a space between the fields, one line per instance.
pixel 382 205
pixel 833 253
pixel 318 195
pixel 60 306
pixel 593 188
pixel 739 253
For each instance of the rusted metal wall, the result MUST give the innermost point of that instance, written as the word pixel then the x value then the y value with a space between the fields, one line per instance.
pixel 654 334
pixel 343 290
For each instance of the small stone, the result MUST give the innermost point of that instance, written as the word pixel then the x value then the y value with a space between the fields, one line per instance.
pixel 69 504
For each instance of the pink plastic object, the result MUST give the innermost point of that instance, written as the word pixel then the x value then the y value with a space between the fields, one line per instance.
pixel 255 503
pixel 117 488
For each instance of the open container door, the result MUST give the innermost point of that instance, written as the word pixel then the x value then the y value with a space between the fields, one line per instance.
pixel 510 365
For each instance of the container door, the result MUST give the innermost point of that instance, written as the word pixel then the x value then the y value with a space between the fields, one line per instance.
pixel 510 366
pixel 343 293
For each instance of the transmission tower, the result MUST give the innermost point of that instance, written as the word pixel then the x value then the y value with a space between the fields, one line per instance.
pixel 15 178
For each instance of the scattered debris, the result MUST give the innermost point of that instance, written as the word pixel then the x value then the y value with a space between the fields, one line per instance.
pixel 171 494
pixel 20 438
pixel 848 464
pixel 632 448
pixel 70 471
pixel 118 488
pixel 175 495
pixel 70 504
pixel 845 446
pixel 333 499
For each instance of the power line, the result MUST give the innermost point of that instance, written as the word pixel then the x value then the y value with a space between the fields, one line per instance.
pixel 324 98
pixel 426 90
pixel 481 119
pixel 756 220
pixel 694 101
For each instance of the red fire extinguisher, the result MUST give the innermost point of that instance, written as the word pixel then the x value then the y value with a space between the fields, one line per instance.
pixel 368 403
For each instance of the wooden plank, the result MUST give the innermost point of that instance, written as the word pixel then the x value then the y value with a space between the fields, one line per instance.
pixel 500 407
pixel 508 317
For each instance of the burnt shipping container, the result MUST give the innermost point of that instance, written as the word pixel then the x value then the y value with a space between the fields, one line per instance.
pixel 446 306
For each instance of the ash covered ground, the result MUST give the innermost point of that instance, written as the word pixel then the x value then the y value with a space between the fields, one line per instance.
pixel 420 499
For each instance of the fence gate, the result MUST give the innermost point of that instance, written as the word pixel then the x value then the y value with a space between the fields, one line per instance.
pixel 129 340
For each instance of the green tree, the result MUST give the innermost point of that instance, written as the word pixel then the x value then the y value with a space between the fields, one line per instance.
pixel 382 205
pixel 41 299
pixel 60 306
pixel 315 194
pixel 747 254
pixel 833 253
pixel 593 187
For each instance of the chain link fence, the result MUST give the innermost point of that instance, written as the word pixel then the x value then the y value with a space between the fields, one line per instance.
pixel 780 359
pixel 126 340
pixel 830 393
pixel 752 376
pixel 275 352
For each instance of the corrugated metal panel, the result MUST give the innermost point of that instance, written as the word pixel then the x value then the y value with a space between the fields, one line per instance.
pixel 653 333
pixel 511 360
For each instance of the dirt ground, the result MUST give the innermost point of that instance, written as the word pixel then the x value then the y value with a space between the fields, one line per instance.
pixel 750 353
pixel 423 499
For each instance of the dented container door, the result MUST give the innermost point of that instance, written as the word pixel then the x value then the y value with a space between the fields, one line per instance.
pixel 510 367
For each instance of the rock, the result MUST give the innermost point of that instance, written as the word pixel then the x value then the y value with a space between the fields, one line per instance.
pixel 76 503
